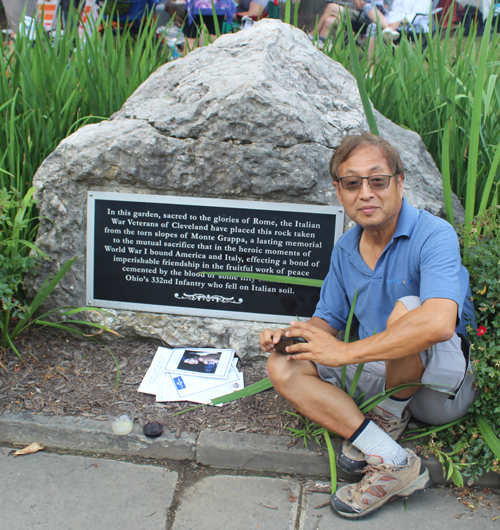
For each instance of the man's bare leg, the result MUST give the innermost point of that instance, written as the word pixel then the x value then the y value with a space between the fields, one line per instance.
pixel 406 370
pixel 376 16
pixel 330 407
pixel 300 384
pixel 329 18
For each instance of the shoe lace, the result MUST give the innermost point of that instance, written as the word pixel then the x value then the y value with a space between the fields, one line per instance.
pixel 383 422
pixel 371 475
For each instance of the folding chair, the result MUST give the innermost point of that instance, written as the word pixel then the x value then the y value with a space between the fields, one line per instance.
pixel 422 24
pixel 89 15
pixel 47 12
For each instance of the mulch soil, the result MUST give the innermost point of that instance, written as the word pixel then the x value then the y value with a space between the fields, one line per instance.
pixel 65 376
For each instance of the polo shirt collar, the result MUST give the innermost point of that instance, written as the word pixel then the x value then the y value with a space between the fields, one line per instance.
pixel 408 217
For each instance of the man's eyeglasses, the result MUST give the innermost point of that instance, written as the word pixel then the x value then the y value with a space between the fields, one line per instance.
pixel 376 182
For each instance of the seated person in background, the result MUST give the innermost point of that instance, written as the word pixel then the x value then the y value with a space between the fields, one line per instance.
pixel 412 307
pixel 251 8
pixel 359 10
pixel 200 13
pixel 176 10
pixel 405 12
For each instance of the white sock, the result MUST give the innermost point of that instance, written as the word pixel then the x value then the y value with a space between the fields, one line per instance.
pixel 394 407
pixel 372 440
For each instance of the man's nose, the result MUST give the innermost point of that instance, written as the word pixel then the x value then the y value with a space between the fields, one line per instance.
pixel 365 190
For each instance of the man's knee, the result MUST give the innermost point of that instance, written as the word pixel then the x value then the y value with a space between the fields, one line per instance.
pixel 331 10
pixel 403 306
pixel 398 311
pixel 329 22
pixel 283 373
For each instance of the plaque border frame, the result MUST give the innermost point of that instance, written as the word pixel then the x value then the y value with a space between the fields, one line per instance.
pixel 92 196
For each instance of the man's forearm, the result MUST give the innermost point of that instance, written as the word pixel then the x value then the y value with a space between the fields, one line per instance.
pixel 321 324
pixel 414 332
pixel 408 334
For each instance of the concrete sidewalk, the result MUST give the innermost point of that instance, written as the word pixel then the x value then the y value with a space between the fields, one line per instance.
pixel 237 451
pixel 61 492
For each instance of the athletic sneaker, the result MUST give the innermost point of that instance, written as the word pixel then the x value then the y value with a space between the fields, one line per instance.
pixel 381 483
pixel 390 34
pixel 352 460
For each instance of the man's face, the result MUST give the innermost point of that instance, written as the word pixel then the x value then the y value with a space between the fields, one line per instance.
pixel 372 209
pixel 191 360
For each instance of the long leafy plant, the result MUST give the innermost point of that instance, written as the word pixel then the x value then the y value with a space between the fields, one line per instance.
pixel 445 88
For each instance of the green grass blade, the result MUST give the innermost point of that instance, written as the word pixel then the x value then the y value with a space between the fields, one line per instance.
pixel 489 181
pixel 343 378
pixel 260 386
pixel 269 278
pixel 216 20
pixel 296 14
pixel 347 336
pixel 188 409
pixel 42 294
pixel 331 457
pixel 288 11
pixel 475 125
pixel 427 431
pixel 488 435
pixel 349 319
pixel 375 400
pixel 356 68
pixel 448 202
pixel 355 379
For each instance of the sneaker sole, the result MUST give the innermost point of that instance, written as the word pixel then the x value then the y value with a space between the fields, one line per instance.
pixel 344 466
pixel 421 483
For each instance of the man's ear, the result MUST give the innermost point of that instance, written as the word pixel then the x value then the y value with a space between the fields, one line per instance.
pixel 339 193
pixel 400 183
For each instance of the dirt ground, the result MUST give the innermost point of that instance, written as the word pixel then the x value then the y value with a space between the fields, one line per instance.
pixel 68 377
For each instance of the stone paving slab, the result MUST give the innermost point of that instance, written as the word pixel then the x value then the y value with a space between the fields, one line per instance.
pixel 61 492
pixel 255 452
pixel 58 492
pixel 236 503
pixel 434 509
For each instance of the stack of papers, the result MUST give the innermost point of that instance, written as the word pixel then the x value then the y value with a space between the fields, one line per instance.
pixel 192 374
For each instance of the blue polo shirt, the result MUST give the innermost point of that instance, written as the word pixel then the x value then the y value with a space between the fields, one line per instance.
pixel 422 259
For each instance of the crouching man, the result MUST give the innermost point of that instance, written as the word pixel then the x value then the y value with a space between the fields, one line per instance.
pixel 412 307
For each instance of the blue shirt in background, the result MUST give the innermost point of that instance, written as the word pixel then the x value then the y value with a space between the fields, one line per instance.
pixel 422 259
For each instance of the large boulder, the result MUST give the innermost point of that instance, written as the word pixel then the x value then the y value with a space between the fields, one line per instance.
pixel 254 116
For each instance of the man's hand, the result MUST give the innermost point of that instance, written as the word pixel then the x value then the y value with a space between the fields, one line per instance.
pixel 359 4
pixel 321 347
pixel 269 338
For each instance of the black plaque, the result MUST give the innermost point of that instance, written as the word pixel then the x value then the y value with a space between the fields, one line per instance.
pixel 146 252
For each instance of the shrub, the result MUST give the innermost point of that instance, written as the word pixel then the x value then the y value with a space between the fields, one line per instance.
pixel 15 257
pixel 481 255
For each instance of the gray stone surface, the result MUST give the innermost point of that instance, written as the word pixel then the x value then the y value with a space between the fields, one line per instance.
pixel 239 451
pixel 260 453
pixel 434 509
pixel 76 434
pixel 254 116
pixel 58 492
pixel 236 503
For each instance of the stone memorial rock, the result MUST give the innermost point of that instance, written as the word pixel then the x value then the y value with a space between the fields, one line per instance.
pixel 254 116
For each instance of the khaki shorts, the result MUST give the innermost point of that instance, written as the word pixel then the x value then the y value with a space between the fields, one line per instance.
pixel 361 16
pixel 448 376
